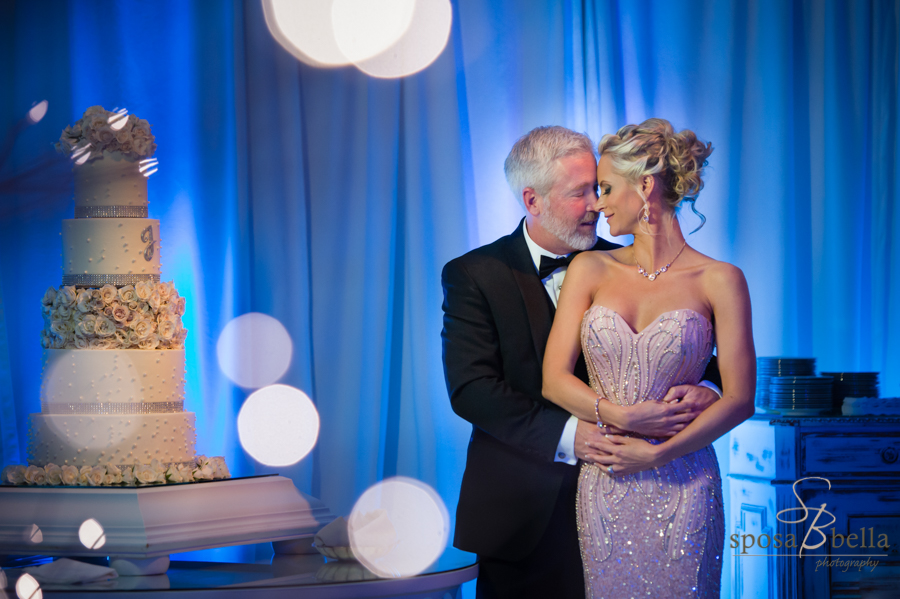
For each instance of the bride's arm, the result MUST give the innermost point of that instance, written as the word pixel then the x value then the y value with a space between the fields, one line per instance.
pixel 730 301
pixel 560 385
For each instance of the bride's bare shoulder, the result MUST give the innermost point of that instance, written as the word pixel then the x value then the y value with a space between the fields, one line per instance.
pixel 590 267
pixel 718 276
pixel 599 258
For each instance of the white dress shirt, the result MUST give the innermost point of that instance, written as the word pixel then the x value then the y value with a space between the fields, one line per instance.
pixel 565 450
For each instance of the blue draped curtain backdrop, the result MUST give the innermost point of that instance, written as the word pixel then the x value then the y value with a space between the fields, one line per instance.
pixel 331 200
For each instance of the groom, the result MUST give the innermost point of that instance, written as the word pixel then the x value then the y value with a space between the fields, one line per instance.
pixel 517 502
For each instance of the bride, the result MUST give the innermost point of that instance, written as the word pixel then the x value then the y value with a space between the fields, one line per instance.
pixel 647 317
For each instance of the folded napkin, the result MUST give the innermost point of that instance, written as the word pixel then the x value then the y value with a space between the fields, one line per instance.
pixel 70 571
pixel 333 534
pixel 373 533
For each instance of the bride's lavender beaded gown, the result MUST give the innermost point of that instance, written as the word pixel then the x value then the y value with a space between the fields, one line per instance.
pixel 657 533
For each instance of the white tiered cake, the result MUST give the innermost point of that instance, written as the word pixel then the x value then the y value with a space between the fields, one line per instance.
pixel 112 398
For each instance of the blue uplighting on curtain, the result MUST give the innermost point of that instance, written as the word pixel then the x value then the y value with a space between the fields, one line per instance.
pixel 331 200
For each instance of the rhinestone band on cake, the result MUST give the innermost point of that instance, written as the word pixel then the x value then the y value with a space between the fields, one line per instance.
pixel 87 280
pixel 110 212
pixel 159 407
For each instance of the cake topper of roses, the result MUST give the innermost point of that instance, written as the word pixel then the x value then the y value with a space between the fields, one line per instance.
pixel 100 130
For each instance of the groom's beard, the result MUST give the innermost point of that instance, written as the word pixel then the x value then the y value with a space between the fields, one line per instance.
pixel 569 233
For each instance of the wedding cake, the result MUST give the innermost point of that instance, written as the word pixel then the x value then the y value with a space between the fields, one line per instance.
pixel 112 393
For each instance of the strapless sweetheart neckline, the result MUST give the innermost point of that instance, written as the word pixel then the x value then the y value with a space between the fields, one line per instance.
pixel 652 322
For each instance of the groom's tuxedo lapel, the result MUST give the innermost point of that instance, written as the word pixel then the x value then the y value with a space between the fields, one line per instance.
pixel 537 302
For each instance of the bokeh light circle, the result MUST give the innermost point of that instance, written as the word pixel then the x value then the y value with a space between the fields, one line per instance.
pixel 424 40
pixel 254 350
pixel 91 534
pixel 37 112
pixel 398 527
pixel 28 588
pixel 304 28
pixel 278 425
pixel 366 28
pixel 64 381
pixel 34 535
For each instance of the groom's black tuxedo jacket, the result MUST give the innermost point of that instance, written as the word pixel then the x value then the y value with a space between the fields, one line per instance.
pixel 497 317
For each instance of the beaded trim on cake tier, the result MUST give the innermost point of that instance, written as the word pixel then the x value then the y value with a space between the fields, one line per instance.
pixel 86 280
pixel 110 212
pixel 155 407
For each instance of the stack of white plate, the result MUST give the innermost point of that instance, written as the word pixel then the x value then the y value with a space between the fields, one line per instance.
pixel 800 395
pixel 852 384
pixel 767 367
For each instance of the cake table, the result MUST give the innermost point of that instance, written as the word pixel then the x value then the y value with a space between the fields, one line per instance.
pixel 141 526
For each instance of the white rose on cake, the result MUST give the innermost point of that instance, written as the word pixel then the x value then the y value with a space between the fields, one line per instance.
pixel 88 326
pixel 163 290
pixel 69 475
pixel 174 474
pixel 54 474
pixel 108 293
pixel 66 295
pixel 166 330
pixel 83 301
pixel 143 328
pixel 63 328
pixel 105 327
pixel 186 473
pixel 49 297
pixel 97 476
pixel 143 289
pixel 14 475
pixel 128 475
pixel 179 306
pixel 203 470
pixel 220 470
pixel 149 342
pixel 127 294
pixel 154 300
pixel 83 476
pixel 113 475
pixel 120 313
pixel 35 476
pixel 61 312
pixel 46 339
pixel 121 338
pixel 145 474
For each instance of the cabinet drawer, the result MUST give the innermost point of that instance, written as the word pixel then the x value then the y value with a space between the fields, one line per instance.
pixel 851 453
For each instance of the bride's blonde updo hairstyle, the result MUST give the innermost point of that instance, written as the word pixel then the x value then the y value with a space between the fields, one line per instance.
pixel 654 148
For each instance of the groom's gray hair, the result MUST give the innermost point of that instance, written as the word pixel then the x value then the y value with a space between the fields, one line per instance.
pixel 532 160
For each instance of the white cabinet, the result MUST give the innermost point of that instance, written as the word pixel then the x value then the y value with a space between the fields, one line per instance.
pixel 790 539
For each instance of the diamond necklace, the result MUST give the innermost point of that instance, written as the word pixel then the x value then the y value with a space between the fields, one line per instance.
pixel 652 276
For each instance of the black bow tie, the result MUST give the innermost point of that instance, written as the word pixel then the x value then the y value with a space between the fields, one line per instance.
pixel 548 264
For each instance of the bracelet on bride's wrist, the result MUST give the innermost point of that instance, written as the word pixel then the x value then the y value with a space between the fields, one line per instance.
pixel 597 412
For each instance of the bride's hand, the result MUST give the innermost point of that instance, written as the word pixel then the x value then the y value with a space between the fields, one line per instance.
pixel 625 455
pixel 658 419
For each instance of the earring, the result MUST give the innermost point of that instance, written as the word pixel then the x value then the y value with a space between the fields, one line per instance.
pixel 645 213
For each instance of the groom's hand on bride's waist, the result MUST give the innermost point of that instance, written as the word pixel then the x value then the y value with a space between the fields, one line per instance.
pixel 586 434
pixel 694 398
pixel 658 418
